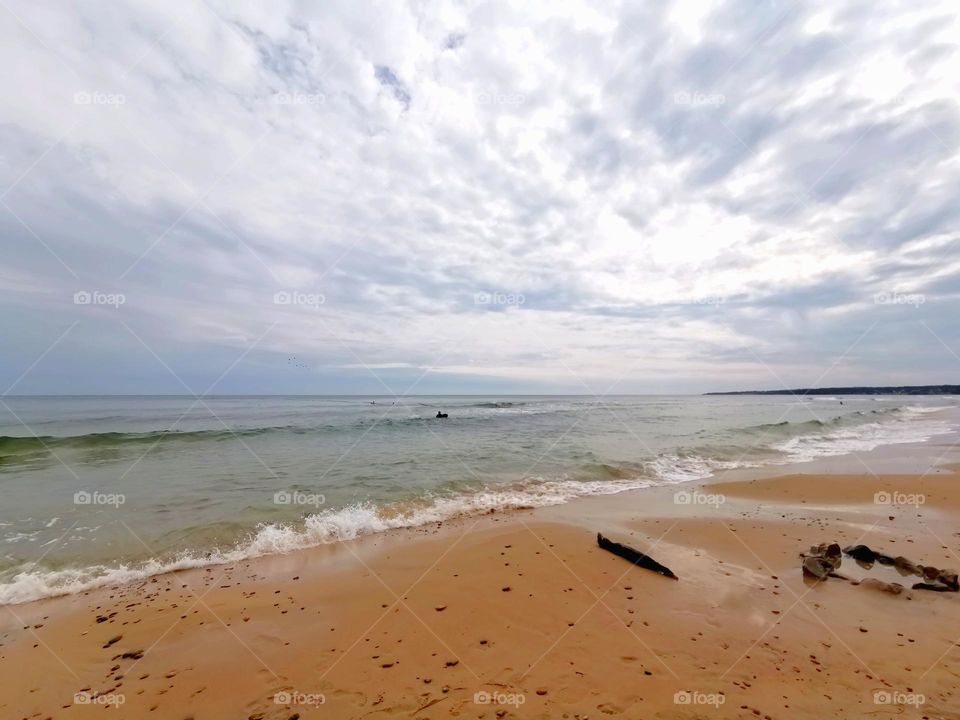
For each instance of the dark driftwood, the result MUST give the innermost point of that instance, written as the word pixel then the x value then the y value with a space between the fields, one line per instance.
pixel 634 556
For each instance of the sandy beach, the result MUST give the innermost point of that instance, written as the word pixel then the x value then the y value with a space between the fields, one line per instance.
pixel 522 615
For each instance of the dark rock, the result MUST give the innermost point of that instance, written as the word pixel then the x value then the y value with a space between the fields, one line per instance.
pixel 817 567
pixel 949 578
pixel 634 556
pixel 933 587
pixel 892 588
pixel 907 567
pixel 930 573
pixel 861 553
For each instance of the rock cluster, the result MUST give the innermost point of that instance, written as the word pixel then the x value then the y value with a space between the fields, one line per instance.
pixel 824 561
pixel 933 578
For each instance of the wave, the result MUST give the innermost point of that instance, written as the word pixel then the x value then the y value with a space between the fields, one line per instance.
pixel 330 526
pixel 17 445
pixel 852 418
pixel 905 427
pixel 497 404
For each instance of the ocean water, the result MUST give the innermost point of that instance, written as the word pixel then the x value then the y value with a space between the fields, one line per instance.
pixel 98 490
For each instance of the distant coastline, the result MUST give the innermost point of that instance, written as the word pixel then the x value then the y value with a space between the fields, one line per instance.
pixel 862 390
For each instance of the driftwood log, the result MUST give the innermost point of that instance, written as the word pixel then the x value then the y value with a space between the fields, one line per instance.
pixel 634 556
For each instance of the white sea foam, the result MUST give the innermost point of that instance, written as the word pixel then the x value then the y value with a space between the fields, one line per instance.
pixel 911 427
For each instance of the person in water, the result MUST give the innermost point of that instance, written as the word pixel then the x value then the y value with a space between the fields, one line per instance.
pixel 441 414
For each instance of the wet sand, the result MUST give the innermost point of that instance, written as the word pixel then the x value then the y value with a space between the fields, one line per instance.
pixel 522 615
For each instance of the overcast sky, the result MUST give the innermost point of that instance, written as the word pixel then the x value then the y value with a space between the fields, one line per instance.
pixel 604 197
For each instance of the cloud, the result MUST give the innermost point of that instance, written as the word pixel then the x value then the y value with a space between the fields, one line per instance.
pixel 685 197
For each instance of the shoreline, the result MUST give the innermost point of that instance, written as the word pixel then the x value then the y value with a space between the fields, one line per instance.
pixel 274 540
pixel 522 604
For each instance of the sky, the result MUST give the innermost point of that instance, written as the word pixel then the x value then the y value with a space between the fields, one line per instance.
pixel 496 197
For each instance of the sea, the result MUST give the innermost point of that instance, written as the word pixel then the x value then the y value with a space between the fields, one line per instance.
pixel 105 490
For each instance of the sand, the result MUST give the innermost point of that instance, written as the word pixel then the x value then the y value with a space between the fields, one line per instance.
pixel 522 615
